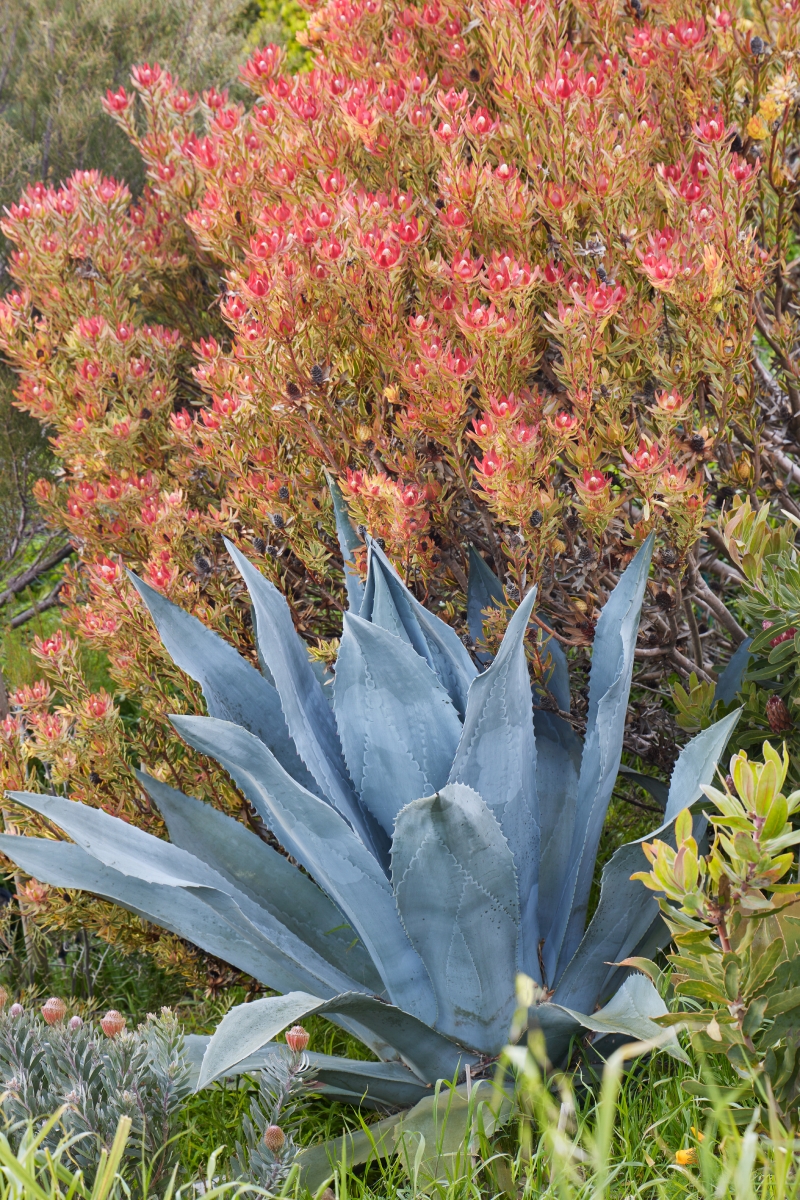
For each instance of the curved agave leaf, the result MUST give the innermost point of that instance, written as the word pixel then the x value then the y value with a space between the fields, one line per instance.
pixel 131 851
pixel 456 890
pixel 349 542
pixel 484 590
pixel 730 680
pixel 398 728
pixel 658 790
pixel 558 678
pixel 245 1029
pixel 176 909
pixel 432 1140
pixel 496 757
pixel 697 763
pixel 432 639
pixel 609 685
pixel 558 768
pixel 308 714
pixel 349 1079
pixel 627 914
pixel 266 876
pixel 233 690
pixel 322 841
pixel 630 1012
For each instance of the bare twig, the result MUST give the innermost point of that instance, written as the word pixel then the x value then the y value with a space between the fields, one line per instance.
pixel 33 572
pixel 50 601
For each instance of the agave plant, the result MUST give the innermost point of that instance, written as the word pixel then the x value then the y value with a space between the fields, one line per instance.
pixel 446 825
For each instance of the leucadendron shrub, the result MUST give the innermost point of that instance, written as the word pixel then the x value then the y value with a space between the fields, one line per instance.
pixel 734 915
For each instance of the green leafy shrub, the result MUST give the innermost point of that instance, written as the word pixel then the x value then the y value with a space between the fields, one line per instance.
pixel 736 926
pixel 94 1075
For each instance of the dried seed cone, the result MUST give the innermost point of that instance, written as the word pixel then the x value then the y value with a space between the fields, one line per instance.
pixel 274 1137
pixel 112 1023
pixel 54 1010
pixel 297 1039
pixel 3 998
pixel 778 715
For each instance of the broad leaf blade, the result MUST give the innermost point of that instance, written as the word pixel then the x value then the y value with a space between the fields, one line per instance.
pixel 557 681
pixel 233 690
pixel 630 1012
pixel 558 768
pixel 609 685
pixel 433 640
pixel 697 763
pixel 349 1079
pixel 398 728
pixel 456 890
pixel 246 1029
pixel 496 757
pixel 657 789
pixel 484 591
pixel 266 876
pixel 349 542
pixel 627 915
pixel 729 683
pixel 175 909
pixel 325 845
pixel 308 714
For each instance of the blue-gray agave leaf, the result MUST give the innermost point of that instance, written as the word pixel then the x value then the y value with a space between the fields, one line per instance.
pixel 266 876
pixel 609 686
pixel 66 866
pixel 730 680
pixel 233 690
pixel 558 676
pixel 484 590
pixel 658 790
pixel 124 848
pixel 308 714
pixel 372 1084
pixel 456 890
pixel 244 1030
pixel 433 640
pixel 627 915
pixel 398 728
pixel 322 841
pixel 558 768
pixel 496 757
pixel 349 542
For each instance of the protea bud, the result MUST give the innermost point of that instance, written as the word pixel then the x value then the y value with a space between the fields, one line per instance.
pixel 297 1039
pixel 54 1010
pixel 16 1010
pixel 274 1137
pixel 778 715
pixel 3 998
pixel 74 1023
pixel 112 1023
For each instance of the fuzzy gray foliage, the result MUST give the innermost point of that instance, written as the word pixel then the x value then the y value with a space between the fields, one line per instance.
pixel 142 1074
pixel 282 1083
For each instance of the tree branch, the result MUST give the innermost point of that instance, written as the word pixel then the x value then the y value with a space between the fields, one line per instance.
pixel 50 601
pixel 34 572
